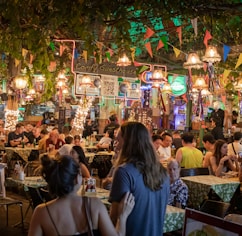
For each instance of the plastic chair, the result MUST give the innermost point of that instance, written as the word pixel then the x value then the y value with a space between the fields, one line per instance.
pixel 194 171
pixel 6 201
pixel 216 208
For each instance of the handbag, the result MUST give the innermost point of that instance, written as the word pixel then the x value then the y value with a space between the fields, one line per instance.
pixel 87 210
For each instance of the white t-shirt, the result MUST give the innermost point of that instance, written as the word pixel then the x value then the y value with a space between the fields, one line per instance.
pixel 164 152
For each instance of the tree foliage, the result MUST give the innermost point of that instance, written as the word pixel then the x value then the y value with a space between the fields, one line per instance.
pixel 34 24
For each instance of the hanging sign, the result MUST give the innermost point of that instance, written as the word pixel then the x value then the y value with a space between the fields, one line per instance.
pixel 178 84
pixel 92 90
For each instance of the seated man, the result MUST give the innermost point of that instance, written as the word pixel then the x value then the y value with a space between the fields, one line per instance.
pixel 17 137
pixel 178 189
pixel 189 156
pixel 53 143
pixel 106 141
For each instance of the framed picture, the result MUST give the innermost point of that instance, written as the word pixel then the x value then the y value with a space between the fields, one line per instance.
pixel 199 223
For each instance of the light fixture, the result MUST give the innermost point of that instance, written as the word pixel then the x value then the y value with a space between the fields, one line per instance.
pixel 200 84
pixel 20 82
pixel 238 85
pixel 193 61
pixel 86 80
pixel 167 88
pixel 123 60
pixel 211 54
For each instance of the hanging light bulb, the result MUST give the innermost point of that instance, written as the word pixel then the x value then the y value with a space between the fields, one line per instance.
pixel 211 54
pixel 123 60
pixel 193 61
pixel 200 84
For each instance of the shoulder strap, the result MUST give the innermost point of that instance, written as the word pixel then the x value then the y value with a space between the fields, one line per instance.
pixel 87 210
pixel 52 219
pixel 234 149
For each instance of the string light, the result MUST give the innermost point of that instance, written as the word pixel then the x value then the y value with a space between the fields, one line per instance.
pixel 11 119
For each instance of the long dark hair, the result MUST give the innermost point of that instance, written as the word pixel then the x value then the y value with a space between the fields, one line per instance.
pixel 138 149
pixel 60 174
pixel 217 150
pixel 81 155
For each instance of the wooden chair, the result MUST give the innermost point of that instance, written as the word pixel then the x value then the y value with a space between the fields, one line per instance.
pixel 194 171
pixel 216 208
pixel 6 201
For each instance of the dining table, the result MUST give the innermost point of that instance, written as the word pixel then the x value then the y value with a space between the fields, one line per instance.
pixel 23 152
pixel 199 187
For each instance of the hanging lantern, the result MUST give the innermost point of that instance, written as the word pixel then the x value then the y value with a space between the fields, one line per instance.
pixel 200 84
pixel 20 82
pixel 193 61
pixel 123 60
pixel 211 54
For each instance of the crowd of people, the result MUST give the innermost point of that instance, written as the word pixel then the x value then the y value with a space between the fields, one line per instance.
pixel 145 176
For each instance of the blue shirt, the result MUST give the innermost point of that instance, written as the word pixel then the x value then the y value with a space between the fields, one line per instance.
pixel 147 217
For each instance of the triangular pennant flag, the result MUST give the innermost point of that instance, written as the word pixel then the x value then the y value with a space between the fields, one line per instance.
pixel 160 45
pixel 205 67
pixel 108 56
pixel 149 49
pixel 176 51
pixel 31 57
pixel 226 73
pixel 110 51
pixel 52 46
pixel 226 51
pixel 179 31
pixel 16 61
pixel 143 68
pixel 164 41
pixel 61 50
pixel 149 33
pixel 3 56
pixel 84 54
pixel 184 97
pixel 239 61
pixel 76 54
pixel 132 53
pixel 52 66
pixel 194 25
pixel 137 63
pixel 207 37
pixel 24 52
pixel 223 98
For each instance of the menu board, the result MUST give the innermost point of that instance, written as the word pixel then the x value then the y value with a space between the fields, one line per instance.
pixel 143 115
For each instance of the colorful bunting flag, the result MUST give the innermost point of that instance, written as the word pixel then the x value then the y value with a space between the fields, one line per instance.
pixel 164 41
pixel 149 49
pixel 226 51
pixel 52 46
pixel 31 57
pixel 207 37
pixel 16 61
pixel 194 25
pixel 132 53
pixel 108 56
pixel 179 31
pixel 149 33
pixel 52 66
pixel 160 45
pixel 239 61
pixel 62 49
pixel 24 52
pixel 144 68
pixel 226 73
pixel 176 51
pixel 137 63
pixel 76 54
pixel 84 54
